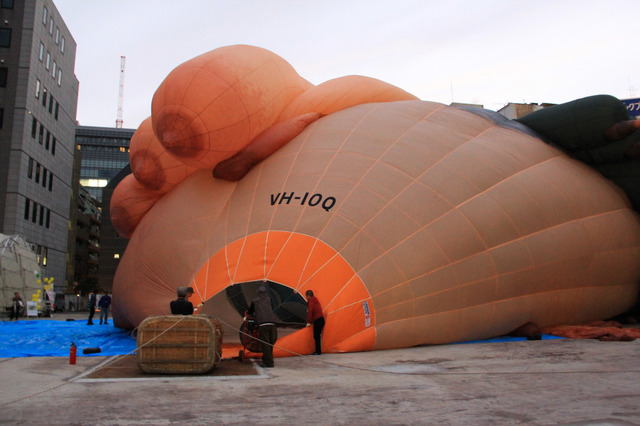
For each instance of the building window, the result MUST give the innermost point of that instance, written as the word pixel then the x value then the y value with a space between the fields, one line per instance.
pixel 45 15
pixel 44 261
pixel 34 212
pixel 41 135
pixel 44 97
pixel 41 56
pixel 34 127
pixel 47 64
pixel 38 87
pixel 54 69
pixel 7 4
pixel 47 140
pixel 5 37
pixel 3 76
pixel 62 45
pixel 45 172
pixel 41 221
pixel 116 256
pixel 57 35
pixel 53 147
pixel 59 77
pixel 30 169
pixel 50 182
pixel 37 172
pixel 27 203
pixel 50 103
pixel 51 26
pixel 57 110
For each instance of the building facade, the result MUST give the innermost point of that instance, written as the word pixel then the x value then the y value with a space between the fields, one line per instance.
pixel 112 244
pixel 86 242
pixel 38 103
pixel 104 151
pixel 102 157
pixel 513 110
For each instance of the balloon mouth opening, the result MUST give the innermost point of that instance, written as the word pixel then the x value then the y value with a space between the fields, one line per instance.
pixel 230 305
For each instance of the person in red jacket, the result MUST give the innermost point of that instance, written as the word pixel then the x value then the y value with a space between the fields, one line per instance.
pixel 315 317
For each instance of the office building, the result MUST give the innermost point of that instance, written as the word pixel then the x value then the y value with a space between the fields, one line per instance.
pixel 38 102
pixel 112 244
pixel 102 153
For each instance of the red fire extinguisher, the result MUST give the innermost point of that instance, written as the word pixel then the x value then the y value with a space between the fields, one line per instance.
pixel 72 353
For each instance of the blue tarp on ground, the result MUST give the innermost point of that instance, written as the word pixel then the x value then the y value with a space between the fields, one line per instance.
pixel 53 338
pixel 26 338
pixel 511 339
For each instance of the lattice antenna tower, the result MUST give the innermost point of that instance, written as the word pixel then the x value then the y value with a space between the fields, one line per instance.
pixel 121 93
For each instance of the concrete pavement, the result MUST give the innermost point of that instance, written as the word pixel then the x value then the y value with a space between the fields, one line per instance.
pixel 535 383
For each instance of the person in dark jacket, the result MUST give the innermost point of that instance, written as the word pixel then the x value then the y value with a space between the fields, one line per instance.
pixel 266 320
pixel 315 317
pixel 104 303
pixel 92 307
pixel 181 306
pixel 17 306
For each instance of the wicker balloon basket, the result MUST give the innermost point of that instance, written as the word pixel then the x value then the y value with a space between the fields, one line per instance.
pixel 179 344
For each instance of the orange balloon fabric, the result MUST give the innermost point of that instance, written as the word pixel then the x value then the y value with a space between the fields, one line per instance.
pixel 129 203
pixel 265 144
pixel 218 111
pixel 151 164
pixel 344 92
pixel 210 107
pixel 412 222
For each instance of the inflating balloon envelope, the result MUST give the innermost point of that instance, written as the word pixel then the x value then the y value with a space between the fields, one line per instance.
pixel 413 222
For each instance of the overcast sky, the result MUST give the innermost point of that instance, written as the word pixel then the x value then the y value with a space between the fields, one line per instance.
pixel 489 52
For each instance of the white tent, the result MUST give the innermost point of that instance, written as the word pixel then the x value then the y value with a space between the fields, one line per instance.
pixel 19 269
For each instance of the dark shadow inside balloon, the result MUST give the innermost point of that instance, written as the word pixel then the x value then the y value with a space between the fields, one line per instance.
pixel 231 304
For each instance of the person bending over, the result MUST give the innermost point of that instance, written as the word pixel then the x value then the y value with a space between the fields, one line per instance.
pixel 266 320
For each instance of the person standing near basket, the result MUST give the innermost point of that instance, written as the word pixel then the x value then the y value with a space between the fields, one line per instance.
pixel 315 317
pixel 266 320
pixel 181 306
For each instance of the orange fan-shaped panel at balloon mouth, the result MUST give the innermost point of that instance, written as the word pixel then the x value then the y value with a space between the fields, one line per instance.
pixel 302 263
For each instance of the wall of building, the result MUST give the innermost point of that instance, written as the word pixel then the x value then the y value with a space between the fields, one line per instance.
pixel 513 110
pixel 112 244
pixel 40 103
pixel 104 151
pixel 103 160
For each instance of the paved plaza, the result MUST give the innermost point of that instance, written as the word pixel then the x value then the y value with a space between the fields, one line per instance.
pixel 549 382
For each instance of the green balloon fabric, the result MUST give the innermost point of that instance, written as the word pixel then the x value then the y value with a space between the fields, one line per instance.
pixel 578 128
pixel 579 124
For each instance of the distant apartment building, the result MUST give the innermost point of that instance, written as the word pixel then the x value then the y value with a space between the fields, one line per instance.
pixel 38 102
pixel 84 242
pixel 102 153
pixel 513 110
pixel 112 244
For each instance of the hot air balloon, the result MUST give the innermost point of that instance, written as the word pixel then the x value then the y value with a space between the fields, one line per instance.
pixel 412 222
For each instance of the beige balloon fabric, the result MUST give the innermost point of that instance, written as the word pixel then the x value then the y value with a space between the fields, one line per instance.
pixel 413 222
